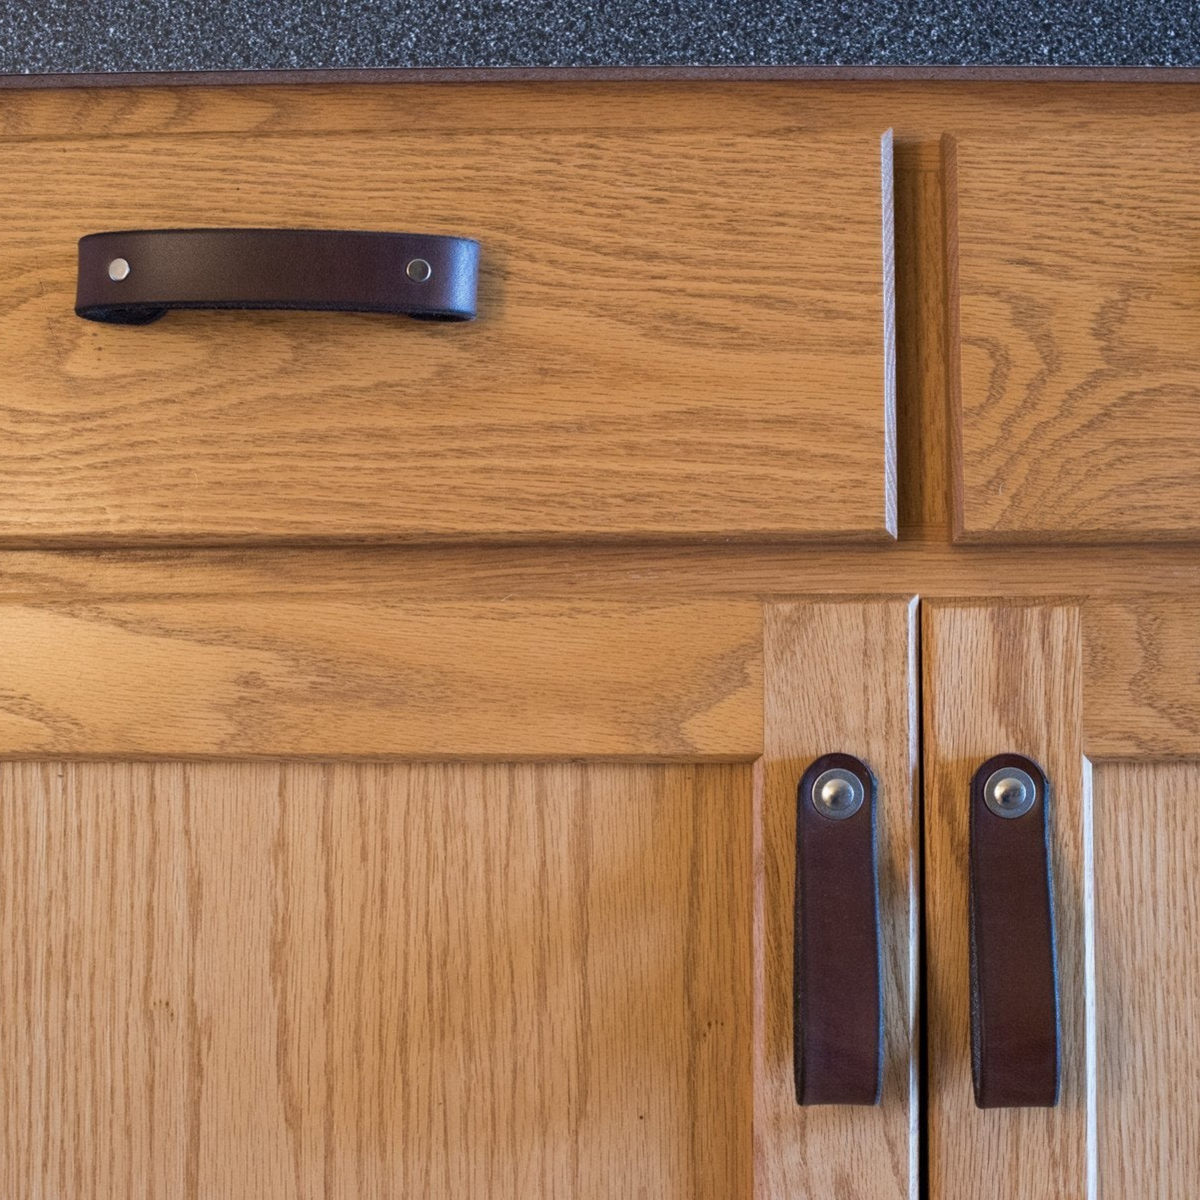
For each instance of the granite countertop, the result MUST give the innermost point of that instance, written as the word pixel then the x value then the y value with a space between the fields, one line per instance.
pixel 57 36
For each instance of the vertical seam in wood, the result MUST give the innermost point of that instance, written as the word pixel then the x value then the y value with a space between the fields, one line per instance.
pixel 950 249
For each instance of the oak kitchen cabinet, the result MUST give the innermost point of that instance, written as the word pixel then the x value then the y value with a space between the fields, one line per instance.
pixel 402 723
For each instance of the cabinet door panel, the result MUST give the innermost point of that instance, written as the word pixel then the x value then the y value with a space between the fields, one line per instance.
pixel 839 676
pixel 225 974
pixel 1075 379
pixel 367 981
pixel 685 323
pixel 1002 679
pixel 1147 855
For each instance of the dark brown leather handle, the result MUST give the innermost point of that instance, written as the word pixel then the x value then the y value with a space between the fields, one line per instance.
pixel 1014 979
pixel 135 276
pixel 837 988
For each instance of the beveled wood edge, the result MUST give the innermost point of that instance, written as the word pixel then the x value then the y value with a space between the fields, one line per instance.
pixel 642 74
pixel 891 500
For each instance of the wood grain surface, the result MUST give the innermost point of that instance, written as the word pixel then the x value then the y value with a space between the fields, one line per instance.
pixel 1141 699
pixel 366 982
pixel 1147 848
pixel 1003 678
pixel 838 676
pixel 1076 397
pixel 290 677
pixel 686 329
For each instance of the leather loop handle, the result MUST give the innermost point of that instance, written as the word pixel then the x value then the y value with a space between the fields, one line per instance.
pixel 1014 979
pixel 134 277
pixel 837 988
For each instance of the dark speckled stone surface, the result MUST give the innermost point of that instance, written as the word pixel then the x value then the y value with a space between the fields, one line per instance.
pixel 51 36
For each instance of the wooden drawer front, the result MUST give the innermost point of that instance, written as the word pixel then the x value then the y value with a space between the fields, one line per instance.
pixel 1078 390
pixel 684 322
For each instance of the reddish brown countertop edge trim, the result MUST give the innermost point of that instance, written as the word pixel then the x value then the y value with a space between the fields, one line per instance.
pixel 602 74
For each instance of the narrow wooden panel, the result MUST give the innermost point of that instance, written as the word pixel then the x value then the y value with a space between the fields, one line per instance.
pixel 1142 666
pixel 291 676
pixel 1078 392
pixel 1001 679
pixel 364 982
pixel 1147 825
pixel 840 676
pixel 685 330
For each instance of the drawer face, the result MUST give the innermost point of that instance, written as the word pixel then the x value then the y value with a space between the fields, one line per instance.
pixel 1077 393
pixel 684 324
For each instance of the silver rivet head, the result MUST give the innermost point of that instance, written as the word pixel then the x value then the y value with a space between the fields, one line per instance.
pixel 1010 792
pixel 118 269
pixel 418 270
pixel 837 794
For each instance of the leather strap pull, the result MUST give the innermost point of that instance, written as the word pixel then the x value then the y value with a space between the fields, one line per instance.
pixel 135 277
pixel 1014 979
pixel 837 989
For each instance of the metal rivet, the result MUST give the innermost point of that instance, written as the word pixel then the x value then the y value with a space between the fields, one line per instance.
pixel 1010 792
pixel 118 269
pixel 837 794
pixel 418 270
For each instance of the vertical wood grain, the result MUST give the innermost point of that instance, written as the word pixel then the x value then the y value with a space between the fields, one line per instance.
pixel 1147 819
pixel 1002 678
pixel 839 676
pixel 359 982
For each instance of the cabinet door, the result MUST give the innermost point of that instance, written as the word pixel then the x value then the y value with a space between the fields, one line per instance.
pixel 685 320
pixel 342 897
pixel 1075 377
pixel 1103 696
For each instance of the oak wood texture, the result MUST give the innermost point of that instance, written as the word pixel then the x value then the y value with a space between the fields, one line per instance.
pixel 358 982
pixel 1141 699
pixel 339 655
pixel 686 329
pixel 1002 678
pixel 1074 374
pixel 839 676
pixel 290 676
pixel 1147 855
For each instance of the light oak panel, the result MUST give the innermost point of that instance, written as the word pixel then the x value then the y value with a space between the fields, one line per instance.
pixel 840 676
pixel 1147 853
pixel 1142 666
pixel 368 981
pixel 1003 678
pixel 1073 310
pixel 686 330
pixel 292 676
pixel 924 562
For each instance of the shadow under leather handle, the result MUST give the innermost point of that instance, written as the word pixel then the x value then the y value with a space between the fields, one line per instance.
pixel 1015 1058
pixel 837 985
pixel 134 277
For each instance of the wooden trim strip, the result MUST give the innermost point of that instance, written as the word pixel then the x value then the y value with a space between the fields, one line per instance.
pixel 840 675
pixel 393 75
pixel 288 677
pixel 1002 678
